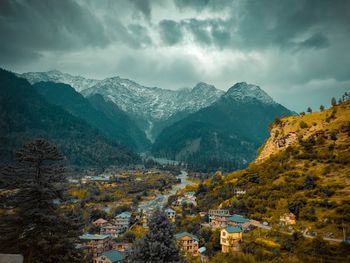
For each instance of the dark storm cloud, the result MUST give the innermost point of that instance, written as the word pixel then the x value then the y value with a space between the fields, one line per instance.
pixel 144 6
pixel 29 27
pixel 316 41
pixel 263 24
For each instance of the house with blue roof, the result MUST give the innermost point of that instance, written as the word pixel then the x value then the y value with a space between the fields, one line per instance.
pixel 230 238
pixel 111 256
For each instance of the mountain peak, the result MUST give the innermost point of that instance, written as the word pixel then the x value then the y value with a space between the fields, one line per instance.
pixel 201 86
pixel 243 91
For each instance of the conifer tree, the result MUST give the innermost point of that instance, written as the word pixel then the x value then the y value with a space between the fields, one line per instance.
pixel 334 102
pixel 321 108
pixel 36 227
pixel 158 245
pixel 309 110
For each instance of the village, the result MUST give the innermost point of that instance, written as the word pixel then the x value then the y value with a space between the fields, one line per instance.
pixel 110 239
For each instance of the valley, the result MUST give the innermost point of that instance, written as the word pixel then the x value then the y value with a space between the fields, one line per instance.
pixel 230 163
pixel 185 124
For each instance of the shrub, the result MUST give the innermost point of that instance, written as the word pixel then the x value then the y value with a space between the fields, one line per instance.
pixel 303 125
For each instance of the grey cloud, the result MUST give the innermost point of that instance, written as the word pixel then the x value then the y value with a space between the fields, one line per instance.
pixel 274 23
pixel 316 41
pixel 34 26
pixel 170 32
pixel 144 6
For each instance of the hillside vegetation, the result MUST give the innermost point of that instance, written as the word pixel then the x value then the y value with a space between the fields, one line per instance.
pixel 303 168
pixel 26 115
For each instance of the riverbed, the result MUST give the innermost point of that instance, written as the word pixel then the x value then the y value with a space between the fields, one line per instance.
pixel 161 199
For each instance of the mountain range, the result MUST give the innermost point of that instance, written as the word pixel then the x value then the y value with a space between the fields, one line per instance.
pixel 25 115
pixel 202 126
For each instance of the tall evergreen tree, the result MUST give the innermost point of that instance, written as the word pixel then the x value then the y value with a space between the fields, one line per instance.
pixel 333 102
pixel 158 245
pixel 34 225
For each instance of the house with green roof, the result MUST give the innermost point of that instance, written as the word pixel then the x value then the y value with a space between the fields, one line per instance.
pixel 230 238
pixel 188 243
pixel 111 256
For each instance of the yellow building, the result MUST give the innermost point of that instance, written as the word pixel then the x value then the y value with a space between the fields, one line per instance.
pixel 230 238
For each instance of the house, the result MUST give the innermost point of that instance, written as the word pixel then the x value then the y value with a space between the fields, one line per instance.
pixel 171 214
pixel 188 243
pixel 202 254
pixel 219 221
pixel 181 200
pixel 238 192
pixel 111 230
pixel 100 222
pixel 219 217
pixel 230 238
pixel 288 219
pixel 122 222
pixel 96 244
pixel 110 256
pixel 238 220
pixel 122 247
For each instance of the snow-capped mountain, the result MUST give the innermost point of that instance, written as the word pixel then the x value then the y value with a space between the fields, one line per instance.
pixel 77 82
pixel 151 103
pixel 247 92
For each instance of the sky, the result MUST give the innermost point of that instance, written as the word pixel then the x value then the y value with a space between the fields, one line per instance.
pixel 297 51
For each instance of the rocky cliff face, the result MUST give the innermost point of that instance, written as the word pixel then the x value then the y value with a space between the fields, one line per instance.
pixel 293 129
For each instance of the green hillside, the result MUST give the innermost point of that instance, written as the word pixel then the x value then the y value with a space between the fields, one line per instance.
pixel 303 168
pixel 222 136
pixel 25 115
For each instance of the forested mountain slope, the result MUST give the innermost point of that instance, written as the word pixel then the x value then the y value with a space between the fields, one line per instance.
pixel 25 115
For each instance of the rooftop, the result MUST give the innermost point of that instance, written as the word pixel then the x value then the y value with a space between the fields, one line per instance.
pixel 233 229
pixel 169 210
pixel 238 219
pixel 124 214
pixel 183 234
pixel 100 221
pixel 93 237
pixel 202 249
pixel 113 255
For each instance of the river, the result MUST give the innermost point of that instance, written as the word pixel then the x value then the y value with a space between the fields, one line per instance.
pixel 161 199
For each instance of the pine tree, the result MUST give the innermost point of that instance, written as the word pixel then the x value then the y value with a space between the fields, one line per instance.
pixel 334 102
pixel 158 245
pixel 309 110
pixel 321 108
pixel 36 227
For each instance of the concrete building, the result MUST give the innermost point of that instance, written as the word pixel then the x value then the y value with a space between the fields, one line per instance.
pixel 230 238
pixel 188 243
pixel 96 244
pixel 171 214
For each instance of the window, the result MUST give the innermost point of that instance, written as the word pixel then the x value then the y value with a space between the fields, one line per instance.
pixel 224 233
